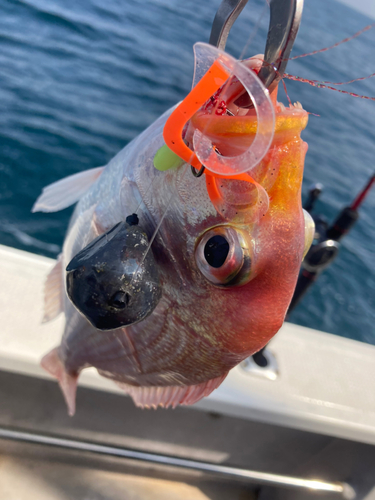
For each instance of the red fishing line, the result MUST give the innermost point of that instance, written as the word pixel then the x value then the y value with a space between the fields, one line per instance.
pixel 337 83
pixel 323 84
pixel 320 85
pixel 366 28
pixel 286 92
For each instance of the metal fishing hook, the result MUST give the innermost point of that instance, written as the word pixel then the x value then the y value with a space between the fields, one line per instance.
pixel 198 173
pixel 226 15
pixel 285 18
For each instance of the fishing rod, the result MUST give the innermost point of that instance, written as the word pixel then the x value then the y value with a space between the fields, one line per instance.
pixel 326 243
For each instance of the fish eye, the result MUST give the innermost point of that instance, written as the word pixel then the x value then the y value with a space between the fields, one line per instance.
pixel 224 256
pixel 216 250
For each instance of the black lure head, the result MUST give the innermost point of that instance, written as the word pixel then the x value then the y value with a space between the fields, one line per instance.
pixel 106 282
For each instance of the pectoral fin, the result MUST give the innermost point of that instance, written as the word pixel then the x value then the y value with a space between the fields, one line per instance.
pixel 67 382
pixel 66 192
pixel 53 292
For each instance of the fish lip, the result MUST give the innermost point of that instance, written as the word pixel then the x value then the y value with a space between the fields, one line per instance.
pixel 292 118
pixel 114 264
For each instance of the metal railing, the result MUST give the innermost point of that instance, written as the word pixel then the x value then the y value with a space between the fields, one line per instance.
pixel 233 473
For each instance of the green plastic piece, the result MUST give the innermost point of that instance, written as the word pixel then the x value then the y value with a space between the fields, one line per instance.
pixel 165 159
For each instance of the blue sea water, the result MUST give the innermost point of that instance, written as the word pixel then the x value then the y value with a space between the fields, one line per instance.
pixel 79 80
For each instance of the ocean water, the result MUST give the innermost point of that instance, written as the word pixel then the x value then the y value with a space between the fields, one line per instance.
pixel 79 80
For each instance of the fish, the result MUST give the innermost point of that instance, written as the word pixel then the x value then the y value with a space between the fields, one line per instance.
pixel 168 280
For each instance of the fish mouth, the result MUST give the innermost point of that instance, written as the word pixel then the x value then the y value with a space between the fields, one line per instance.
pixel 114 280
pixel 233 135
pixel 233 129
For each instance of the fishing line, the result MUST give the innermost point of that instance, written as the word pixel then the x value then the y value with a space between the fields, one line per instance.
pixel 290 102
pixel 333 83
pixel 366 28
pixel 322 86
pixel 286 92
pixel 186 168
pixel 254 31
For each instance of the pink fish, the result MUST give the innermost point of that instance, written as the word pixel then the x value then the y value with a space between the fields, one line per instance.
pixel 219 275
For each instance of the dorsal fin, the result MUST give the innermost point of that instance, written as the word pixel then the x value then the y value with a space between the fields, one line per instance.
pixel 53 292
pixel 170 396
pixel 66 192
